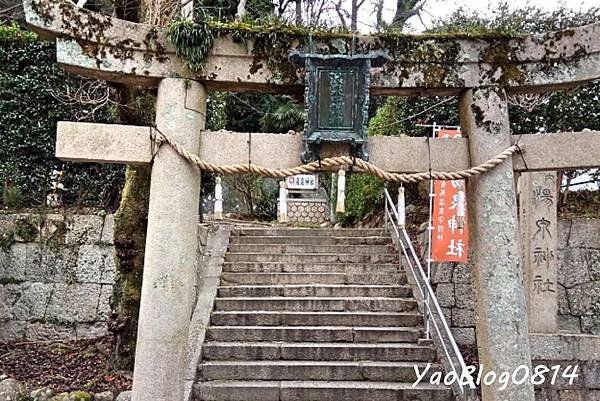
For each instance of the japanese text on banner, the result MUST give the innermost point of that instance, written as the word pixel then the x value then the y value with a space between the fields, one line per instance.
pixel 450 235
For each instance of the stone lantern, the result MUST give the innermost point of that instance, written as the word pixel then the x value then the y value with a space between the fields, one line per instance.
pixel 336 99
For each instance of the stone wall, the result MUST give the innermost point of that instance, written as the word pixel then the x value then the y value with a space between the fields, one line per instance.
pixel 453 289
pixel 582 351
pixel 56 275
pixel 578 278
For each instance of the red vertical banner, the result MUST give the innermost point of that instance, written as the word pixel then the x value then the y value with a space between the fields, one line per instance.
pixel 449 241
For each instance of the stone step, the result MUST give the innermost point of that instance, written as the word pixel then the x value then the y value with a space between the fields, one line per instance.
pixel 314 351
pixel 303 232
pixel 310 257
pixel 347 304
pixel 316 267
pixel 312 248
pixel 320 290
pixel 312 278
pixel 310 240
pixel 276 318
pixel 313 370
pixel 223 390
pixel 313 334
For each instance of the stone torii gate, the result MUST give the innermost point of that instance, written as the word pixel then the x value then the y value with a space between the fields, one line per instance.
pixel 480 69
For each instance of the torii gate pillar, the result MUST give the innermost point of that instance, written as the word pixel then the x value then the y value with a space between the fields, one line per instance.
pixel 169 264
pixel 502 332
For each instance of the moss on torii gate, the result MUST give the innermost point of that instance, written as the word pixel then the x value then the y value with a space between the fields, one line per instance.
pixel 238 56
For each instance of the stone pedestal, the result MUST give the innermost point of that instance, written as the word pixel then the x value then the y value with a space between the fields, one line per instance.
pixel 500 312
pixel 539 232
pixel 169 264
pixel 310 211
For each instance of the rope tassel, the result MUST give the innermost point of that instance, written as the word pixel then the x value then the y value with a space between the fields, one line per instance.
pixel 401 208
pixel 218 199
pixel 340 206
pixel 282 217
pixel 460 209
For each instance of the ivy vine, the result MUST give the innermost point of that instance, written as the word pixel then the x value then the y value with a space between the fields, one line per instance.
pixel 29 111
pixel 272 41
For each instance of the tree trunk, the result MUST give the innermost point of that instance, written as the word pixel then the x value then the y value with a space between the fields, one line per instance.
pixel 379 15
pixel 340 12
pixel 130 238
pixel 404 10
pixel 354 16
pixel 298 12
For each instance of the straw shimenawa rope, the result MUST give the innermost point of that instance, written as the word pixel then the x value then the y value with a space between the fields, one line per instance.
pixel 330 162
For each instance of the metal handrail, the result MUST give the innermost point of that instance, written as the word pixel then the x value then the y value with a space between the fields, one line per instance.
pixel 452 356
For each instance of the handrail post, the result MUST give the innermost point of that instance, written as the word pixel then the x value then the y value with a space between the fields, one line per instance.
pixel 385 214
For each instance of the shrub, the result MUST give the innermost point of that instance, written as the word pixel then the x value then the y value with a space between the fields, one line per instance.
pixel 364 197
pixel 12 197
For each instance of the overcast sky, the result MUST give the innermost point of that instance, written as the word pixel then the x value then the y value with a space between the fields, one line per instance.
pixel 440 8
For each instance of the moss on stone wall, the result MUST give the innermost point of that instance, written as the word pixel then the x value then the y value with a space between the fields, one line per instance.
pixel 130 225
pixel 24 229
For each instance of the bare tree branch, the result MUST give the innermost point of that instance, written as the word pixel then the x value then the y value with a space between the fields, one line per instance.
pixel 89 96
pixel 356 4
pixel 160 12
pixel 298 12
pixel 406 9
pixel 421 20
pixel 282 5
pixel 11 10
pixel 379 24
pixel 322 8
pixel 341 13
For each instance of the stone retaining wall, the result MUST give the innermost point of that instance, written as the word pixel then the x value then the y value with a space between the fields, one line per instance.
pixel 567 350
pixel 56 275
pixel 578 277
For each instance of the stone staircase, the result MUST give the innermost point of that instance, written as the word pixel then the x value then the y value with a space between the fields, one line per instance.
pixel 317 314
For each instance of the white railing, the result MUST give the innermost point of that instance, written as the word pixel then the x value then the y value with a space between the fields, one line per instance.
pixel 452 359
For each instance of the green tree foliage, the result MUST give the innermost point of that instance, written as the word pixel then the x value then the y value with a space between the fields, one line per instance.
pixel 503 19
pixel 364 197
pixel 257 194
pixel 249 112
pixel 574 110
pixel 216 114
pixel 285 116
pixel 562 111
pixel 400 115
pixel 29 111
pixel 254 113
